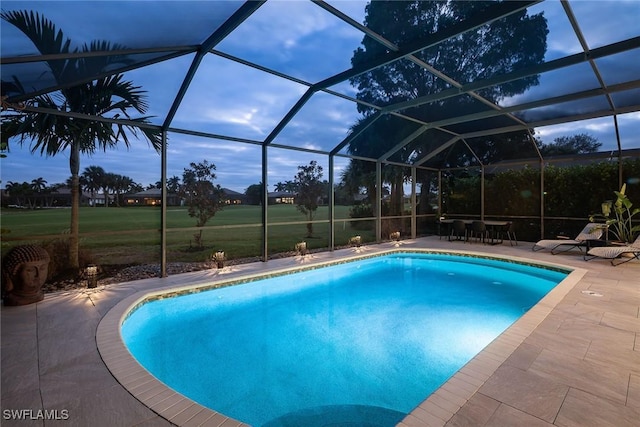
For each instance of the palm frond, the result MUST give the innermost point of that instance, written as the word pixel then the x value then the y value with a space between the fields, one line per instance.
pixel 107 96
pixel 44 35
pixel 93 65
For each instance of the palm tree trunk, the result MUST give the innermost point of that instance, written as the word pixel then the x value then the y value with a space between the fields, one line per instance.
pixel 74 165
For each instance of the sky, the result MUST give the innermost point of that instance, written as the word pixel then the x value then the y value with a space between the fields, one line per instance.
pixel 293 37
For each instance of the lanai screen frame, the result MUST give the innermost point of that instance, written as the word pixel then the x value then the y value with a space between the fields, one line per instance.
pixel 394 53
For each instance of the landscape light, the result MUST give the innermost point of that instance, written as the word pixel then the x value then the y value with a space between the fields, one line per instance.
pixel 218 258
pixel 301 248
pixel 92 276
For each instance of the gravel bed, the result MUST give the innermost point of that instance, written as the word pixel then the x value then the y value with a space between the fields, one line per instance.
pixel 145 271
pixel 136 272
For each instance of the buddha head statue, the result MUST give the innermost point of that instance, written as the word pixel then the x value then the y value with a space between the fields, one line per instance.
pixel 24 271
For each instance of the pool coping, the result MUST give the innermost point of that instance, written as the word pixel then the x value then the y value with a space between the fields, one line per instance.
pixel 436 409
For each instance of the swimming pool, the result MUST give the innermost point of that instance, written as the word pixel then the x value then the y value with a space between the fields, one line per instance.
pixel 365 346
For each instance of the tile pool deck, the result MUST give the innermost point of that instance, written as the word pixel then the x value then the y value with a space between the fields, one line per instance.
pixel 572 360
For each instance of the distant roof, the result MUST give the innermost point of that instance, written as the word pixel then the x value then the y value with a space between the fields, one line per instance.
pixel 281 194
pixel 67 191
pixel 151 192
pixel 232 193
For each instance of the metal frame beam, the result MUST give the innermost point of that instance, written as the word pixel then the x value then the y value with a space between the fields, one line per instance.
pixel 539 103
pixel 437 151
pixel 556 64
pixel 33 94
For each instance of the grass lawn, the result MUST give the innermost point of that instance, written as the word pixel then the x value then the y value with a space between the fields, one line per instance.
pixel 131 235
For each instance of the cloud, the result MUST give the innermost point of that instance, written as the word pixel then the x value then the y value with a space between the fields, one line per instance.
pixel 231 99
pixel 605 22
pixel 271 28
pixel 294 37
pixel 322 123
pixel 601 128
pixel 554 83
pixel 186 146
pixel 242 118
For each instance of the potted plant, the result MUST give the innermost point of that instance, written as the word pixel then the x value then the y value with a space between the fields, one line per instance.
pixel 621 226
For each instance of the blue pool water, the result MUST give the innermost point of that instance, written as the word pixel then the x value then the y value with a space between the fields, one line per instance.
pixel 359 343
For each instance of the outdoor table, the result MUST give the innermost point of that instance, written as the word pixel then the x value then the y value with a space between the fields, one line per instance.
pixel 492 225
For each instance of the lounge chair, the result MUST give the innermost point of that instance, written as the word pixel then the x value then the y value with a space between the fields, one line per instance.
pixel 614 252
pixel 590 232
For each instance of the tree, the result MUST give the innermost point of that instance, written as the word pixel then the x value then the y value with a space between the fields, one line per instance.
pixel 19 191
pixel 135 187
pixel 39 184
pixel 38 187
pixel 499 47
pixel 576 144
pixel 110 96
pixel 505 45
pixel 91 180
pixel 310 191
pixel 254 194
pixel 108 183
pixel 173 184
pixel 4 146
pixel 287 186
pixel 343 194
pixel 204 198
pixel 122 184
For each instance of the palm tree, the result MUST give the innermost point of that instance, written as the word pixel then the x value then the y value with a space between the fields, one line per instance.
pixel 173 184
pixel 122 184
pixel 91 180
pixel 18 190
pixel 38 184
pixel 287 186
pixel 108 183
pixel 109 97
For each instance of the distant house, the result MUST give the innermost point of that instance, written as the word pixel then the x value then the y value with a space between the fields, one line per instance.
pixel 278 197
pixel 233 197
pixel 62 197
pixel 151 197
